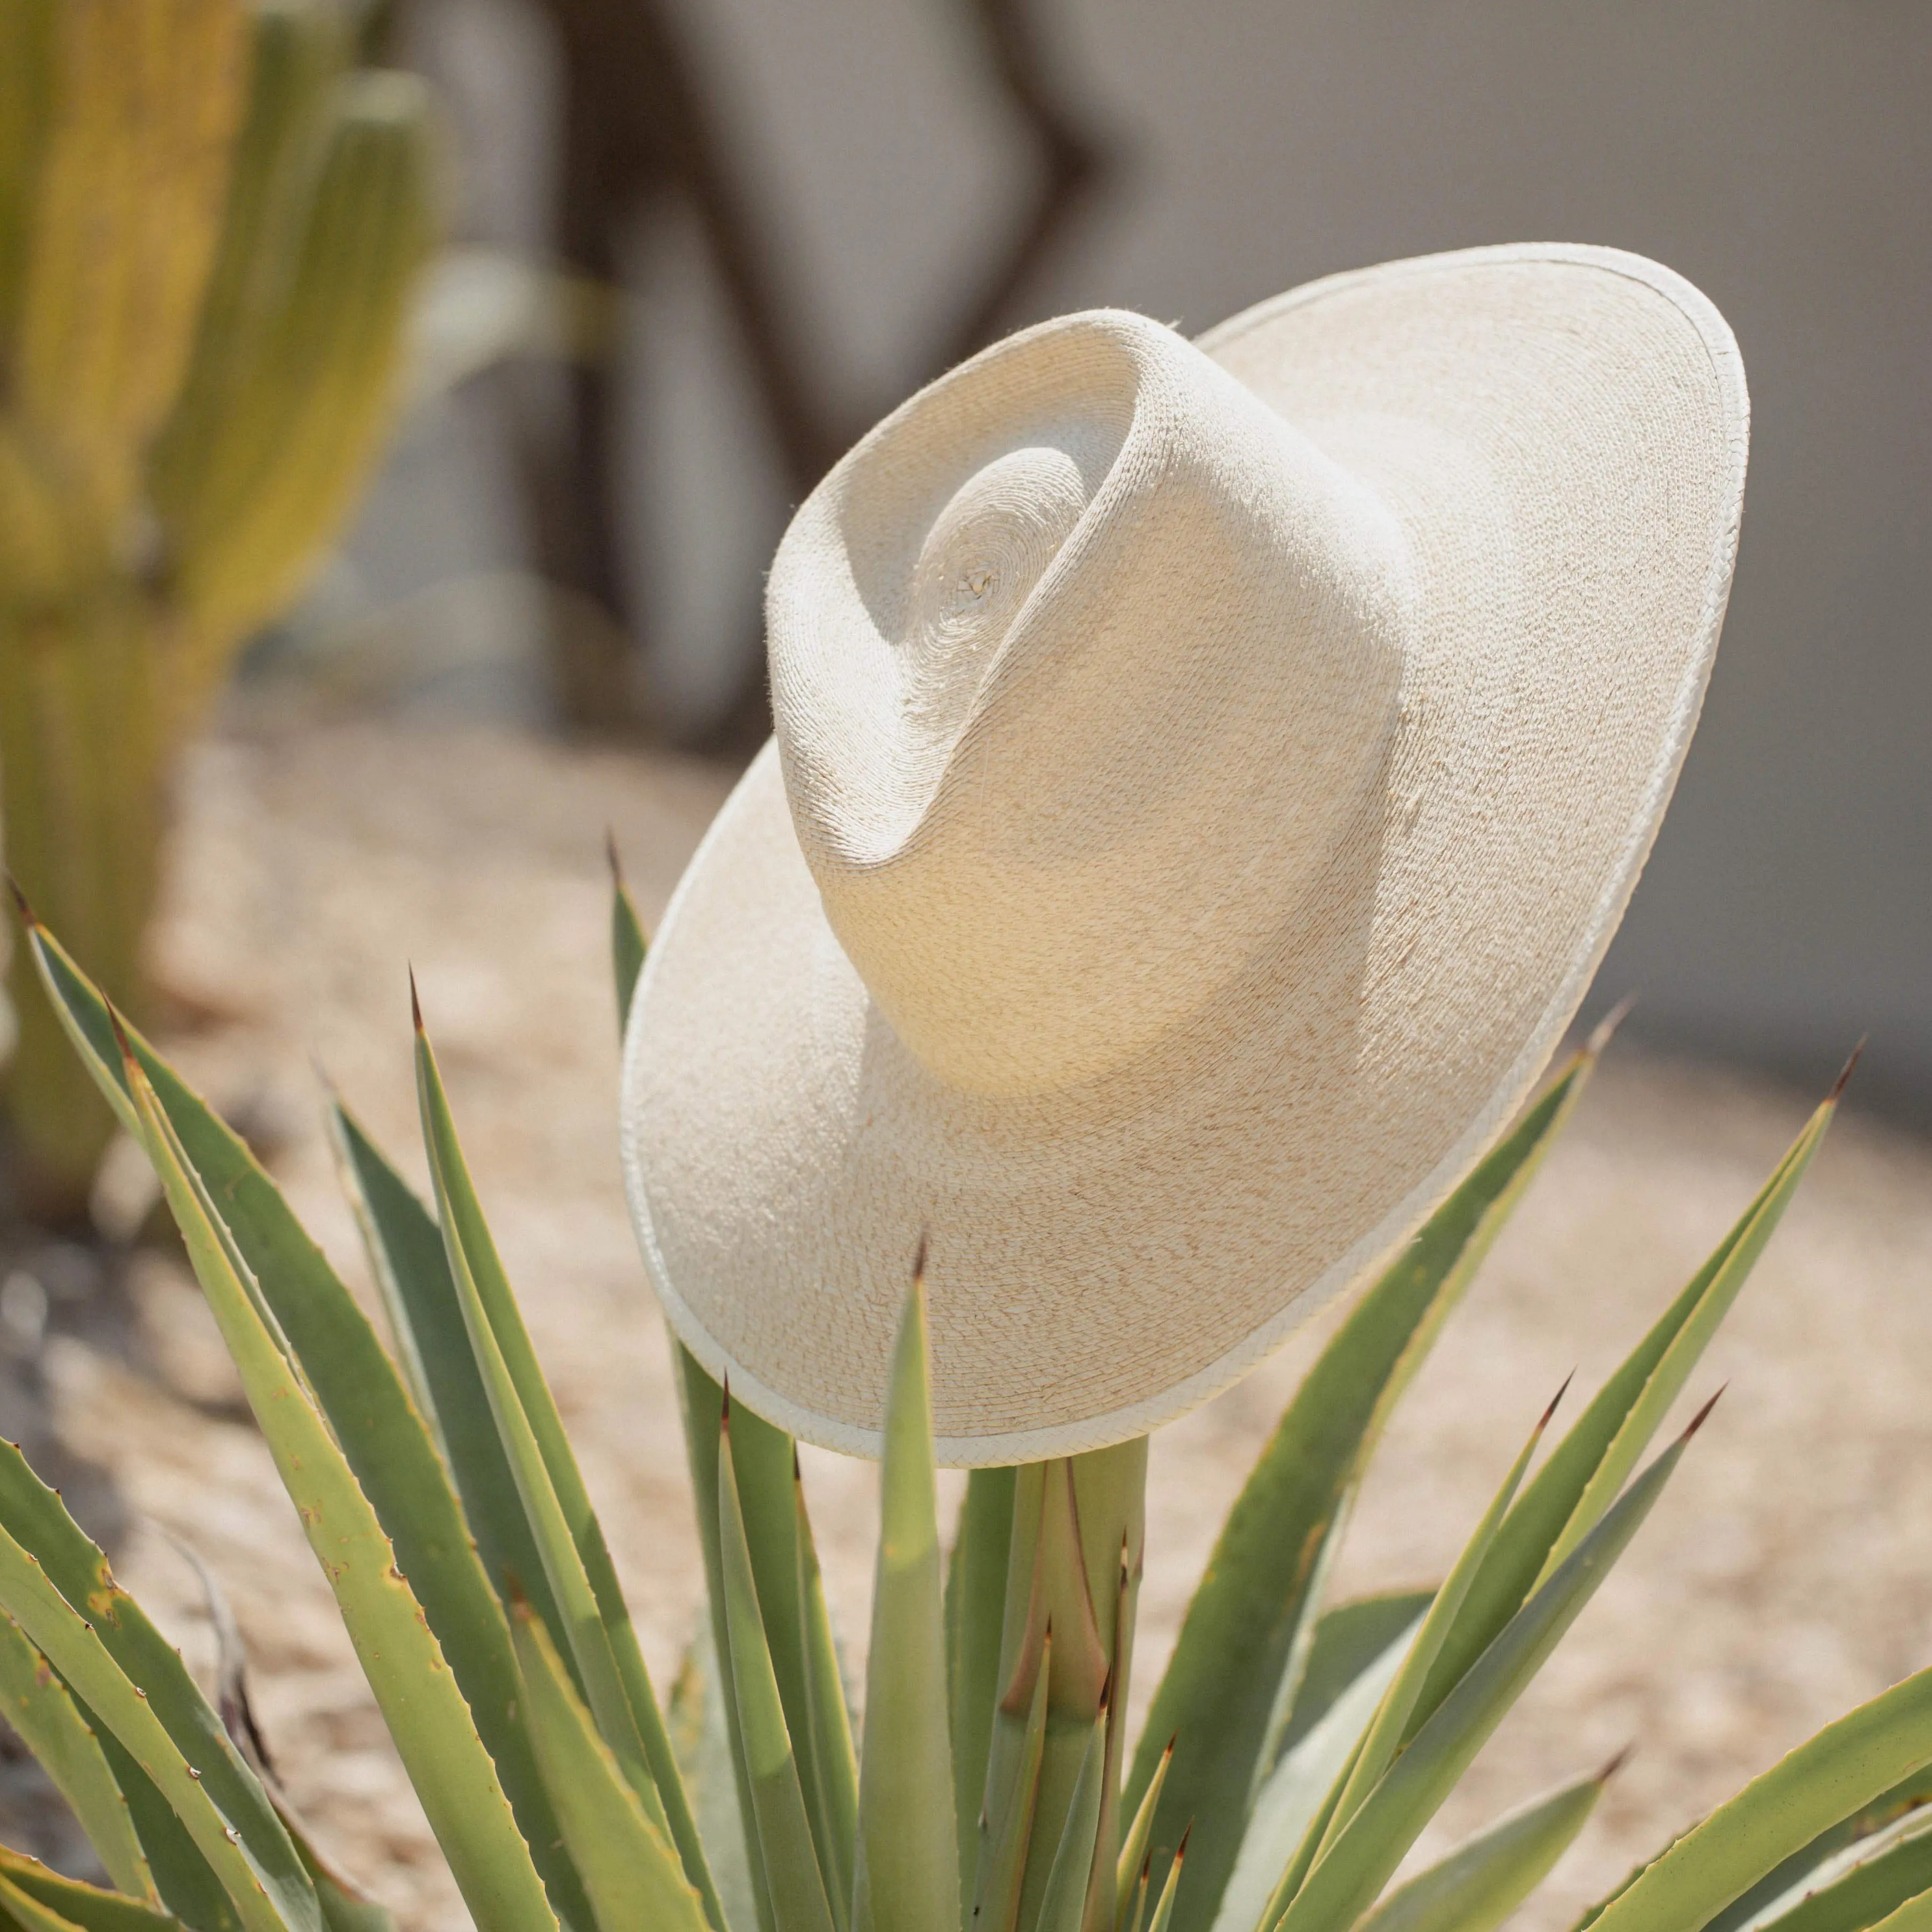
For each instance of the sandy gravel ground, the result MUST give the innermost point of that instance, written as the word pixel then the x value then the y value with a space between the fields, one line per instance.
pixel 1784 1576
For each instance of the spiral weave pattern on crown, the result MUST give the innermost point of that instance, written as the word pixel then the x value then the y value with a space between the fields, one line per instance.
pixel 984 553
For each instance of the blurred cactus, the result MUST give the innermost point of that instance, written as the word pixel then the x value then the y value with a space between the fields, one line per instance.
pixel 210 227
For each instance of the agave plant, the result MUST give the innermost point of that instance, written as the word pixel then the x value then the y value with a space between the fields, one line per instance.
pixel 1296 1747
pixel 210 224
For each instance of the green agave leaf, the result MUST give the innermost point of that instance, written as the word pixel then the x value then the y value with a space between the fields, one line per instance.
pixel 422 1704
pixel 1345 1881
pixel 1163 1912
pixel 581 1634
pixel 1230 1679
pixel 380 1430
pixel 1110 1492
pixel 65 1559
pixel 1391 1723
pixel 835 1781
pixel 704 1757
pixel 399 1246
pixel 1706 1302
pixel 1006 1836
pixel 597 1633
pixel 1073 1567
pixel 1064 1904
pixel 1315 1591
pixel 757 1453
pixel 411 1266
pixel 186 1881
pixel 1130 1869
pixel 629 944
pixel 795 1884
pixel 1914 1915
pixel 1304 1787
pixel 1049 1590
pixel 1345 1641
pixel 43 1901
pixel 1886 1809
pixel 1864 1883
pixel 346 1907
pixel 630 1868
pixel 42 1710
pixel 1828 1779
pixel 908 1854
pixel 975 1589
pixel 771 1502
pixel 797 1632
pixel 262 1876
pixel 1584 1470
pixel 1482 1882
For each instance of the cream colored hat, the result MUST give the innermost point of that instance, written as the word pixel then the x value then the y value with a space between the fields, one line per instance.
pixel 1206 778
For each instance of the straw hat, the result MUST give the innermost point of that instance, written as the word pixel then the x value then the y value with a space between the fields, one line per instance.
pixel 1207 776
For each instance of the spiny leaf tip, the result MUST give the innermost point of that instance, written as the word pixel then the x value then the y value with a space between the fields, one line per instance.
pixel 1697 1421
pixel 121 1035
pixel 1554 1400
pixel 1850 1067
pixel 1616 1764
pixel 20 902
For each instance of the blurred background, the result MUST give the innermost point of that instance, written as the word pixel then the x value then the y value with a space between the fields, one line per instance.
pixel 421 538
pixel 832 199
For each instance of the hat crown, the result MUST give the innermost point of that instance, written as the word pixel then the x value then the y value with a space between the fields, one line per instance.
pixel 1083 663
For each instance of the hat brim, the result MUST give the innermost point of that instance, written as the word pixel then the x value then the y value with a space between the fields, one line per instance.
pixel 1561 433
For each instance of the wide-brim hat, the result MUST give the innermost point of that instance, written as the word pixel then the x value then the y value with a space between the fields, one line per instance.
pixel 1206 778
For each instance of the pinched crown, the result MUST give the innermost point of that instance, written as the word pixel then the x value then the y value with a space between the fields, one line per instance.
pixel 1083 663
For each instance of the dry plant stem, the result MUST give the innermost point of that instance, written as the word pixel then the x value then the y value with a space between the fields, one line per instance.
pixel 82 834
